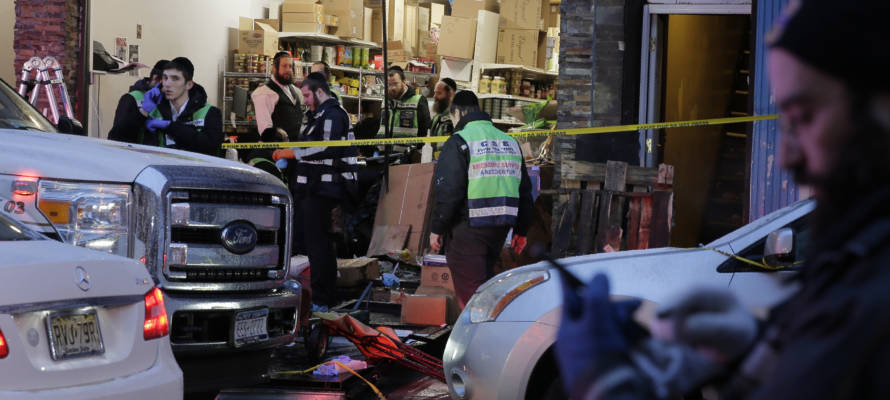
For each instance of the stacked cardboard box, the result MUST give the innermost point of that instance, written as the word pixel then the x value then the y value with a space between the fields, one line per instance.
pixel 458 37
pixel 469 8
pixel 351 14
pixel 302 16
pixel 519 32
pixel 254 38
pixel 434 302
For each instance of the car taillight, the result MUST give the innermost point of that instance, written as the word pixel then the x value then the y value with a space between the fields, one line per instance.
pixel 4 349
pixel 156 324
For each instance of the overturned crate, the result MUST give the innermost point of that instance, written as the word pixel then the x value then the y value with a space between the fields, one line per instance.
pixel 603 207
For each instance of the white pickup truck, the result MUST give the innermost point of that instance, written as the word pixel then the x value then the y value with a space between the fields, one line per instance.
pixel 214 234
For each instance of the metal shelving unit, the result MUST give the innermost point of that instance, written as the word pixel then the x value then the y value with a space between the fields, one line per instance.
pixel 509 97
pixel 533 73
pixel 326 38
pixel 227 99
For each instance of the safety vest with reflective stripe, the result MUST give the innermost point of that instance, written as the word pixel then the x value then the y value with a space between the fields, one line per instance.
pixel 197 121
pixel 139 96
pixel 442 125
pixel 403 127
pixel 494 173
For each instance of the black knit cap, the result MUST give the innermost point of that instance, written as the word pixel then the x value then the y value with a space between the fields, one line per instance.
pixel 846 39
pixel 465 98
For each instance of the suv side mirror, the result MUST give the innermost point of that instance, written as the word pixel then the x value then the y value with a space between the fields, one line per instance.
pixel 70 126
pixel 779 248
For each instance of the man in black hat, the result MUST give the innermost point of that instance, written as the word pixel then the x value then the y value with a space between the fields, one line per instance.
pixel 827 66
pixel 178 113
pixel 129 123
pixel 277 102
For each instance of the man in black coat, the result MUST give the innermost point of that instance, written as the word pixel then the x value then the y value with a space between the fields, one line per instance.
pixel 322 179
pixel 178 113
pixel 831 339
pixel 129 123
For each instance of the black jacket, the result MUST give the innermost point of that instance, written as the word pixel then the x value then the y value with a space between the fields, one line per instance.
pixel 450 184
pixel 424 121
pixel 128 121
pixel 328 122
pixel 833 336
pixel 205 140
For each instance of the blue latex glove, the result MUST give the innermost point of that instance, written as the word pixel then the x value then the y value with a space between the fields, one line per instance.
pixel 390 280
pixel 281 164
pixel 596 333
pixel 155 124
pixel 152 99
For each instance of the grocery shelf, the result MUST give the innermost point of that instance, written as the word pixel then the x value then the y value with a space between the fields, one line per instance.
pixel 371 98
pixel 324 37
pixel 508 97
pixel 523 68
pixel 507 122
pixel 245 75
pixel 303 64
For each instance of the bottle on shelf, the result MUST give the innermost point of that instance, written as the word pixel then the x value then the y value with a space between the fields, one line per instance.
pixel 485 84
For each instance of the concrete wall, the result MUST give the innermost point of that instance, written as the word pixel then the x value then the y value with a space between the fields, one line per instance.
pixel 197 29
pixel 7 32
pixel 702 52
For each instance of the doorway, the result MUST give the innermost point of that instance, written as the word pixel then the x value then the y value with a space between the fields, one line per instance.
pixel 696 67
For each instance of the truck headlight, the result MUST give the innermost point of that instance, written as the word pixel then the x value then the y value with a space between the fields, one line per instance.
pixel 496 294
pixel 91 215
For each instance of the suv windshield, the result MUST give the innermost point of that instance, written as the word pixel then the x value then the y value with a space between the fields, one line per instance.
pixel 12 230
pixel 17 113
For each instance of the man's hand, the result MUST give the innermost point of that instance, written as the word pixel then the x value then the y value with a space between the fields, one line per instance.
pixel 279 154
pixel 518 244
pixel 155 124
pixel 601 334
pixel 435 242
pixel 152 99
pixel 710 319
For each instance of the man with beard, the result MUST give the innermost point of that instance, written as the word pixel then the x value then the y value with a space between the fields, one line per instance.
pixel 129 123
pixel 181 118
pixel 277 103
pixel 829 340
pixel 409 111
pixel 323 178
pixel 442 96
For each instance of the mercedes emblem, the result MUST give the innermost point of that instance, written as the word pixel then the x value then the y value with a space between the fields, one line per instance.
pixel 81 278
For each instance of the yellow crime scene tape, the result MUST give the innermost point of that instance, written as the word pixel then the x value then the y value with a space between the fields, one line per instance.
pixel 541 132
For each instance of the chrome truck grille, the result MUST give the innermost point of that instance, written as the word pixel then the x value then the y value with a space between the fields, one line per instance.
pixel 224 237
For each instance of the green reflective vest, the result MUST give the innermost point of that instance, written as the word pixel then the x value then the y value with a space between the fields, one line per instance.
pixel 404 113
pixel 494 174
pixel 442 124
pixel 139 95
pixel 197 121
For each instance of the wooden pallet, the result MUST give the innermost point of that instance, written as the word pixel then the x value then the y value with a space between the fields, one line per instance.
pixel 610 207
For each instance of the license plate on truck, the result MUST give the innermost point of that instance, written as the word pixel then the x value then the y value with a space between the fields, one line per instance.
pixel 74 334
pixel 250 326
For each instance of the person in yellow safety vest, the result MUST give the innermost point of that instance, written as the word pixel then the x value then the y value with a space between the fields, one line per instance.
pixel 482 189
pixel 129 123
pixel 409 112
pixel 178 113
pixel 323 68
pixel 443 94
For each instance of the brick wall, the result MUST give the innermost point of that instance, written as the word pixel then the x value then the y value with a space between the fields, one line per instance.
pixel 51 28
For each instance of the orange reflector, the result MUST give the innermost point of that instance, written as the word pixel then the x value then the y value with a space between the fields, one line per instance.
pixel 58 212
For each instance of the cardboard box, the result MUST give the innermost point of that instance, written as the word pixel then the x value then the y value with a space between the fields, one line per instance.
pixel 368 33
pixel 311 18
pixel 407 203
pixel 486 50
pixel 520 14
pixel 430 306
pixel 331 20
pixel 351 14
pixel 518 46
pixel 300 8
pixel 274 23
pixel 395 19
pixel 426 48
pixel 261 41
pixel 423 19
pixel 245 24
pixel 356 271
pixel 303 27
pixel 437 11
pixel 469 8
pixel 459 37
pixel 411 27
pixel 436 276
pixel 549 14
pixel 456 68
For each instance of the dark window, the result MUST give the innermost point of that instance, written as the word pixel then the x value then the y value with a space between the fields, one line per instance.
pixel 754 252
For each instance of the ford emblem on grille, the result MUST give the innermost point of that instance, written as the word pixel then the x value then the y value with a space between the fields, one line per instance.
pixel 239 237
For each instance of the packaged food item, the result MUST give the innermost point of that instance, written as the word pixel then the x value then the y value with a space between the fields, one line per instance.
pixel 485 84
pixel 341 54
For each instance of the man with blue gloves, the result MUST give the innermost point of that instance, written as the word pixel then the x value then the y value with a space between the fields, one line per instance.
pixel 129 123
pixel 322 178
pixel 829 340
pixel 178 114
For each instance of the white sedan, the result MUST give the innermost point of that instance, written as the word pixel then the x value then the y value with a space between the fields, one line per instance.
pixel 79 324
pixel 501 345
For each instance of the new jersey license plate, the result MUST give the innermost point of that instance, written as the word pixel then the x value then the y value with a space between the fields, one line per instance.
pixel 74 334
pixel 250 327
